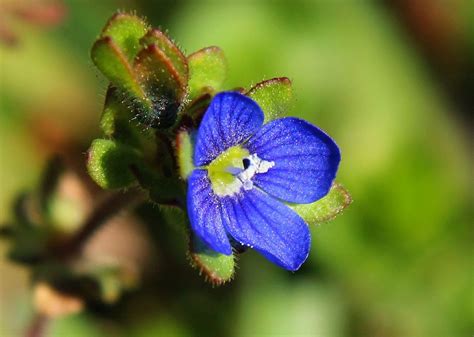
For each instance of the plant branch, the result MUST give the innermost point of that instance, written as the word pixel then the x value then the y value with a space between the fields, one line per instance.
pixel 109 206
pixel 37 326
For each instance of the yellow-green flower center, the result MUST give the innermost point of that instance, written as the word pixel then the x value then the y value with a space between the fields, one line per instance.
pixel 222 170
pixel 234 169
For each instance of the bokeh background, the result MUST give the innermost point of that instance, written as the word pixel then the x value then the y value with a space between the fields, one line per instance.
pixel 391 81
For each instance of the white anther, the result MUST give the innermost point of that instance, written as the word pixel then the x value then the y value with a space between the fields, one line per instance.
pixel 256 165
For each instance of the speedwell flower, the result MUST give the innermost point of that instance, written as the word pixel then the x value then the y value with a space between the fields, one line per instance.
pixel 245 173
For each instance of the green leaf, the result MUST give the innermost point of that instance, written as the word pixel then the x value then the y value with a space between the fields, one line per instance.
pixel 274 96
pixel 112 62
pixel 184 153
pixel 163 85
pixel 174 217
pixel 116 120
pixel 326 208
pixel 207 71
pixel 198 107
pixel 171 50
pixel 162 190
pixel 217 268
pixel 109 163
pixel 126 30
pixel 156 69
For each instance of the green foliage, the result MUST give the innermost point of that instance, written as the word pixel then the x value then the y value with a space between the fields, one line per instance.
pixel 48 223
pixel 109 163
pixel 114 51
pixel 171 50
pixel 274 97
pixel 164 85
pixel 147 68
pixel 116 120
pixel 149 82
pixel 126 30
pixel 113 63
pixel 35 217
pixel 326 208
pixel 162 190
pixel 207 71
pixel 218 268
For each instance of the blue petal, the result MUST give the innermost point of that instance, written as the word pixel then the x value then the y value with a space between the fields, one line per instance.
pixel 258 220
pixel 205 213
pixel 306 160
pixel 230 119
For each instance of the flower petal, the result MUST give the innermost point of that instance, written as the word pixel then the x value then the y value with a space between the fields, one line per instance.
pixel 258 220
pixel 306 160
pixel 205 215
pixel 230 119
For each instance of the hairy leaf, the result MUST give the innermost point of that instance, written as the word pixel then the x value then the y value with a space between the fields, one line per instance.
pixel 163 85
pixel 207 71
pixel 326 208
pixel 162 190
pixel 116 120
pixel 112 62
pixel 218 268
pixel 109 163
pixel 274 97
pixel 126 31
pixel 171 50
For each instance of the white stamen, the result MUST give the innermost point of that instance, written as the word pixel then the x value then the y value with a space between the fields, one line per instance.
pixel 243 177
pixel 256 165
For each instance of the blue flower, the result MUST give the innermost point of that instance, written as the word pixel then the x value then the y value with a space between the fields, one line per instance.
pixel 247 170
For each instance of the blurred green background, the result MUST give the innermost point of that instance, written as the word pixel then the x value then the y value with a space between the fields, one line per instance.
pixel 390 81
